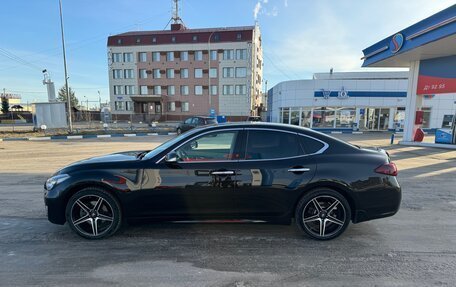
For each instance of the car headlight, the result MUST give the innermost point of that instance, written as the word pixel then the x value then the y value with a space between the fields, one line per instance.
pixel 53 181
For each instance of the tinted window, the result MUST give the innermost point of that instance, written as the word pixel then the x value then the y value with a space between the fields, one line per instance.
pixel 195 121
pixel 211 121
pixel 272 144
pixel 310 145
pixel 210 147
pixel 188 121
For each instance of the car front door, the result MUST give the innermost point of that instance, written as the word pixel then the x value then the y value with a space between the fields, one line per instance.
pixel 199 181
pixel 271 173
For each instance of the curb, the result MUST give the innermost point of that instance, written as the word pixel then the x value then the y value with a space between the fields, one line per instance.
pixel 78 137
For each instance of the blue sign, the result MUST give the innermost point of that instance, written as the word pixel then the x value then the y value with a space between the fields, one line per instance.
pixel 396 43
pixel 212 113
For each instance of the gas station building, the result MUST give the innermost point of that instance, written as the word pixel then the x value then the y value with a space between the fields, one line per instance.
pixel 428 49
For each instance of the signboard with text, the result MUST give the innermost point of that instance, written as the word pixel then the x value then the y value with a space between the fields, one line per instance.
pixel 437 76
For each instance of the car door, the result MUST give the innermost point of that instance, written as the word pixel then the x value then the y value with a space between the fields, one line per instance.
pixel 201 181
pixel 271 173
pixel 186 125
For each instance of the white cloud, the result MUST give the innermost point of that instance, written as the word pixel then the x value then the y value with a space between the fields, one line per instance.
pixel 285 3
pixel 256 10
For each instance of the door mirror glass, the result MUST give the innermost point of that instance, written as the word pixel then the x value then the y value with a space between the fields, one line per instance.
pixel 171 157
pixel 194 144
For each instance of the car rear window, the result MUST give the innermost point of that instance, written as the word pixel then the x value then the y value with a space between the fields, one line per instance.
pixel 310 145
pixel 271 145
pixel 211 121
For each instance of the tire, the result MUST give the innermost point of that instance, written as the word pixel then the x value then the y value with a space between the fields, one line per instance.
pixel 178 131
pixel 323 214
pixel 93 213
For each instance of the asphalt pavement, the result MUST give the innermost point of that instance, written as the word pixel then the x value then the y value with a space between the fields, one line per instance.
pixel 416 247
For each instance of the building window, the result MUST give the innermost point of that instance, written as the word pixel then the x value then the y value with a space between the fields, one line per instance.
pixel 345 117
pixel 294 116
pixel 228 89
pixel 306 117
pixel 184 56
pixel 119 41
pixel 129 106
pixel 185 106
pixel 129 74
pixel 426 117
pixel 184 73
pixel 198 55
pixel 128 57
pixel 213 55
pixel 198 90
pixel 228 55
pixel 116 57
pixel 323 117
pixel 241 72
pixel 198 73
pixel 241 54
pixel 156 56
pixel 119 106
pixel 142 73
pixel 239 36
pixel 213 90
pixel 171 106
pixel 184 90
pixel 157 90
pixel 117 74
pixel 118 90
pixel 241 90
pixel 173 39
pixel 285 112
pixel 170 73
pixel 216 37
pixel 156 73
pixel 228 72
pixel 154 39
pixel 129 90
pixel 213 72
pixel 169 56
pixel 142 56
pixel 195 38
pixel 143 90
pixel 171 90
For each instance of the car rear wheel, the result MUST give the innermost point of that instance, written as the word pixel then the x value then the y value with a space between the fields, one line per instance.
pixel 323 214
pixel 93 213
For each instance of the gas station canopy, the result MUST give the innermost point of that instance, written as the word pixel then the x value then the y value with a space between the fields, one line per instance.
pixel 433 37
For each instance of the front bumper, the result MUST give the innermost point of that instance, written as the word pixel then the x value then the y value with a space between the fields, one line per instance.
pixel 55 206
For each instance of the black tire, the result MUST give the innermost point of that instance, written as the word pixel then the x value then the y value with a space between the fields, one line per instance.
pixel 93 213
pixel 178 131
pixel 323 214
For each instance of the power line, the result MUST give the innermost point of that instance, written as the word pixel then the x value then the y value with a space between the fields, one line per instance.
pixel 277 68
pixel 18 59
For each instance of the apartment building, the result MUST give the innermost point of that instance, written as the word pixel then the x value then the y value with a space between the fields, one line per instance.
pixel 176 73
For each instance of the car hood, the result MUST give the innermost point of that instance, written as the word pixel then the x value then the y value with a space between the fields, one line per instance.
pixel 130 156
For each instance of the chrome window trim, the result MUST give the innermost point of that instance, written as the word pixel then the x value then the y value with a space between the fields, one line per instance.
pixel 320 151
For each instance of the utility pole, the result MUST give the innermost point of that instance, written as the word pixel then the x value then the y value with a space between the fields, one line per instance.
pixel 70 123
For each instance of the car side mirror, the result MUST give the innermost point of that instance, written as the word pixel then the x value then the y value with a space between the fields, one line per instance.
pixel 194 144
pixel 171 157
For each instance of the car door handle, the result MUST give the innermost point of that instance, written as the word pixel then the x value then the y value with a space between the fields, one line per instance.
pixel 299 169
pixel 223 172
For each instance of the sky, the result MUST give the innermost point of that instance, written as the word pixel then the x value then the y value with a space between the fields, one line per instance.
pixel 300 37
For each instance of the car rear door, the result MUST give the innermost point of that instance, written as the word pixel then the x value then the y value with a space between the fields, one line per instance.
pixel 271 174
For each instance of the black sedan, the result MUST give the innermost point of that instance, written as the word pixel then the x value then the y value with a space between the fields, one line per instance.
pixel 245 172
pixel 194 122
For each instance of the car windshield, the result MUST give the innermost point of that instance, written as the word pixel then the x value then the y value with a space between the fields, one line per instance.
pixel 164 146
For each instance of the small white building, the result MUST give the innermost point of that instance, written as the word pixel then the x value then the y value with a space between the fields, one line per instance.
pixel 362 100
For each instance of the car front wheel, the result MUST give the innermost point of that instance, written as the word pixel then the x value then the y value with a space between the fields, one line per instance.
pixel 178 131
pixel 93 213
pixel 323 214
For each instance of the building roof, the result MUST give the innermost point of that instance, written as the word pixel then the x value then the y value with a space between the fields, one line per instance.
pixel 432 37
pixel 179 34
pixel 367 75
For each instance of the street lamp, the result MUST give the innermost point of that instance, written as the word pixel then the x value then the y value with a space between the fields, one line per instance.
pixel 70 124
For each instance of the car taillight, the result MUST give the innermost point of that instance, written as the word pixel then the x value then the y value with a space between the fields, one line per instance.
pixel 387 168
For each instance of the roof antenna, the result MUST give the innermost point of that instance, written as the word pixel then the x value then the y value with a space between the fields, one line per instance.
pixel 175 18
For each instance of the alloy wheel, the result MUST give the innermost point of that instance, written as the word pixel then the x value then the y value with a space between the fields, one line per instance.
pixel 92 215
pixel 324 216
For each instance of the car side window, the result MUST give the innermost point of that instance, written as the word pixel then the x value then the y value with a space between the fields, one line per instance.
pixel 310 145
pixel 188 121
pixel 210 147
pixel 265 144
pixel 195 121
